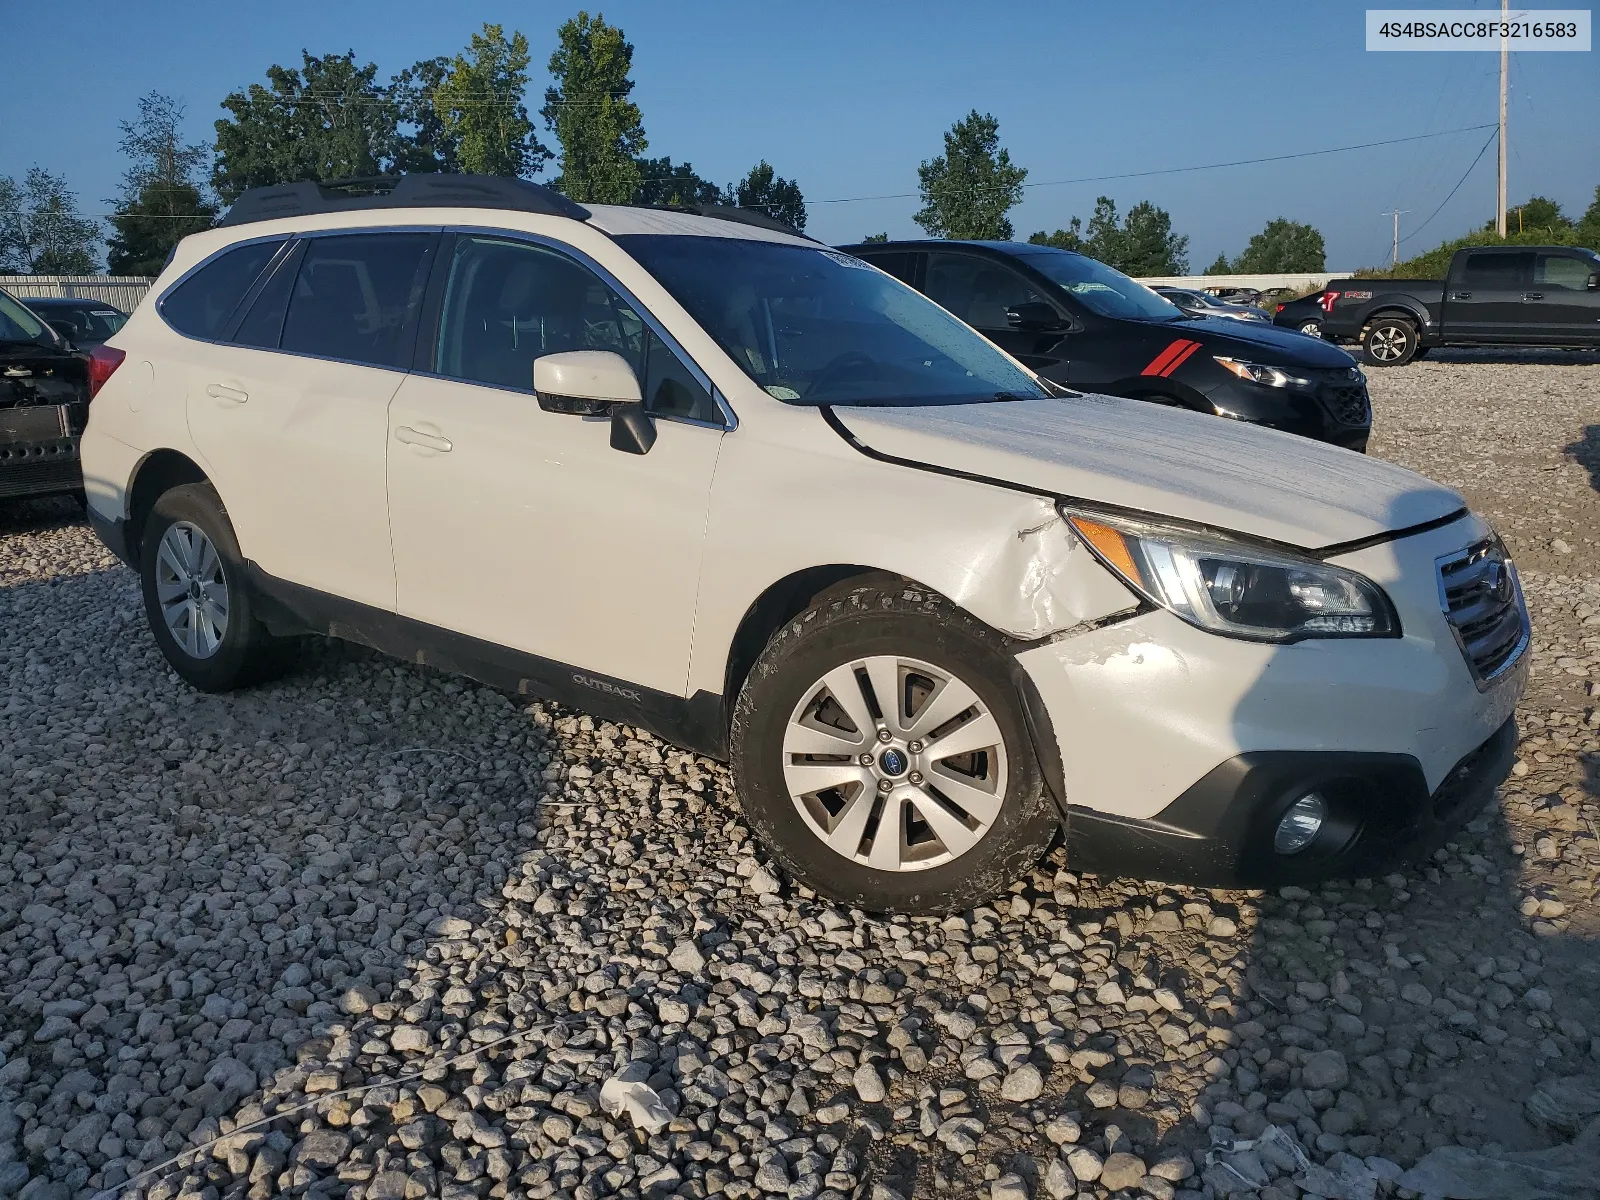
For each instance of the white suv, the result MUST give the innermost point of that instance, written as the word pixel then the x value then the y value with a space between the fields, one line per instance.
pixel 702 475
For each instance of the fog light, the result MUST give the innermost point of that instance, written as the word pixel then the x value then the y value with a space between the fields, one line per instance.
pixel 1301 824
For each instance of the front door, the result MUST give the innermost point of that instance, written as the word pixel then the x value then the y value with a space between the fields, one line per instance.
pixel 1567 308
pixel 1484 303
pixel 980 291
pixel 522 527
pixel 291 417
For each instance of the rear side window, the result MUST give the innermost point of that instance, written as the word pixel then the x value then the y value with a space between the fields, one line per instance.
pixel 201 305
pixel 355 297
pixel 1493 270
pixel 263 324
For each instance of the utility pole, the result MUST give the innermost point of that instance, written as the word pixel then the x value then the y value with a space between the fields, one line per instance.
pixel 1396 214
pixel 1505 61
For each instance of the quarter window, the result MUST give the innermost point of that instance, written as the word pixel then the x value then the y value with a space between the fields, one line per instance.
pixel 201 305
pixel 508 302
pixel 355 297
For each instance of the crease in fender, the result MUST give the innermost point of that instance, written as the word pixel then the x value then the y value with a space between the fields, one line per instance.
pixel 1083 627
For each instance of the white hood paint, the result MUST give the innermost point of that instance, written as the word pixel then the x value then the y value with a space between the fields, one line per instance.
pixel 1166 462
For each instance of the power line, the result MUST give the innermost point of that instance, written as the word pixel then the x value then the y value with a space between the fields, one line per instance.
pixel 1459 182
pixel 1241 162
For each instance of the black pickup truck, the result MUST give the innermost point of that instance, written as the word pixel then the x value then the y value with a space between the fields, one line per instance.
pixel 1493 296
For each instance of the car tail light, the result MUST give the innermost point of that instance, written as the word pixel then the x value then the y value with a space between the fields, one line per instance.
pixel 103 363
pixel 1326 301
pixel 1280 307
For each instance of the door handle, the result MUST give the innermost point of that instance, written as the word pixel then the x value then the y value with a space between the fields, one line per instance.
pixel 1461 295
pixel 220 391
pixel 1533 295
pixel 415 437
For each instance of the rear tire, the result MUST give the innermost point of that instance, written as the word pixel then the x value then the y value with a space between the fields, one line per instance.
pixel 1390 342
pixel 1311 328
pixel 196 596
pixel 967 822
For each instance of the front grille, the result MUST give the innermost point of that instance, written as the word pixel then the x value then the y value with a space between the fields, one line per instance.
pixel 1482 601
pixel 1348 404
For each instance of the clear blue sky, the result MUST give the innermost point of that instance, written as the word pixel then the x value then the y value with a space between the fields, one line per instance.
pixel 847 98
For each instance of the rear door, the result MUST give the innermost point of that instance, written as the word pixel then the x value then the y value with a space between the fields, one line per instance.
pixel 1567 310
pixel 291 417
pixel 1484 299
pixel 980 290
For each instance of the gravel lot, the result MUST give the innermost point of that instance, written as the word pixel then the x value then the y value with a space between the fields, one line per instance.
pixel 231 915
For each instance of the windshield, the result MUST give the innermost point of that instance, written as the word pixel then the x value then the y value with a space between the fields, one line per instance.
pixel 17 324
pixel 1098 287
pixel 814 326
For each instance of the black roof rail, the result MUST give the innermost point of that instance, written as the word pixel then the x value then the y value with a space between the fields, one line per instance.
pixel 727 212
pixel 400 191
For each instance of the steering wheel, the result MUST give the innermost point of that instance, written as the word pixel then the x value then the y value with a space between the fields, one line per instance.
pixel 841 364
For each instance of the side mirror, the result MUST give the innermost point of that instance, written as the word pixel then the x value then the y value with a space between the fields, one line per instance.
pixel 1594 282
pixel 1035 316
pixel 66 330
pixel 584 383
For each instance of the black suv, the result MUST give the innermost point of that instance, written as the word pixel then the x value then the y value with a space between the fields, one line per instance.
pixel 1080 323
pixel 44 402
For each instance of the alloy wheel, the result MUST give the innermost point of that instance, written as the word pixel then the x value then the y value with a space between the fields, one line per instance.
pixel 1388 343
pixel 1312 329
pixel 192 589
pixel 894 763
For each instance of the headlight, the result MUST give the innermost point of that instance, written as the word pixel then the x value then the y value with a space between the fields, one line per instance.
pixel 1257 373
pixel 1235 588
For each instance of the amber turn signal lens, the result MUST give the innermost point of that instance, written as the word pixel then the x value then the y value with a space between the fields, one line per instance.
pixel 1109 543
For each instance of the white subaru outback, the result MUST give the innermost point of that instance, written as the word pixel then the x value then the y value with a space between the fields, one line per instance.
pixel 696 473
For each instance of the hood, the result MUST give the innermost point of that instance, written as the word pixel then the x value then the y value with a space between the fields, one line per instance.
pixel 1269 344
pixel 1163 461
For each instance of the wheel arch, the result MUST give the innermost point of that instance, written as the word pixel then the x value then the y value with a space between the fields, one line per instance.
pixel 157 473
pixel 781 601
pixel 1395 308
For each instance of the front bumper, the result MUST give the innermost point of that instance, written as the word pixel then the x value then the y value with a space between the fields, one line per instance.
pixel 1340 414
pixel 1219 832
pixel 1174 747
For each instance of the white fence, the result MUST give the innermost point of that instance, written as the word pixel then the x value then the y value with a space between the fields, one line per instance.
pixel 119 291
pixel 125 291
pixel 1306 281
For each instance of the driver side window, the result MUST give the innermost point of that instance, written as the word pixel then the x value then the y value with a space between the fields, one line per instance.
pixel 508 302
pixel 976 290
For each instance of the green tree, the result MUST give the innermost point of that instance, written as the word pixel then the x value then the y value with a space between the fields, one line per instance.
pixel 479 104
pixel 876 237
pixel 661 181
pixel 600 130
pixel 429 146
pixel 967 190
pixel 1535 213
pixel 1588 227
pixel 41 231
pixel 326 120
pixel 1220 266
pixel 765 190
pixel 162 201
pixel 1140 243
pixel 1282 247
pixel 1070 238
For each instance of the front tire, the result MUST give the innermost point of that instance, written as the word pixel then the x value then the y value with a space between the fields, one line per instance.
pixel 927 800
pixel 196 597
pixel 1390 342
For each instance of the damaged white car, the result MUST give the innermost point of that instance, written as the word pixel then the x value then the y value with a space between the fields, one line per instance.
pixel 696 473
